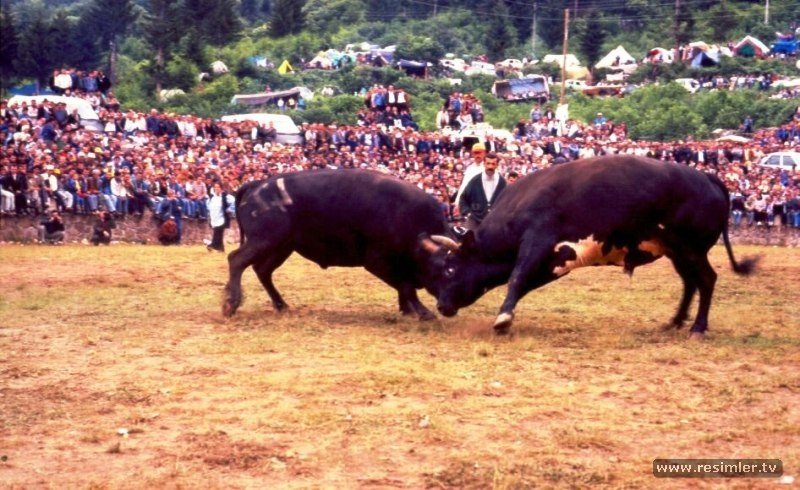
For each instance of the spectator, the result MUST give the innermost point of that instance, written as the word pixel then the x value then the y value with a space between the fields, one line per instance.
pixel 221 207
pixel 102 229
pixel 52 229
pixel 170 209
pixel 481 193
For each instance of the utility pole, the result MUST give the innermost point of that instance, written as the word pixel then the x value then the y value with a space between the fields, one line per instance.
pixel 766 13
pixel 533 30
pixel 564 58
pixel 675 29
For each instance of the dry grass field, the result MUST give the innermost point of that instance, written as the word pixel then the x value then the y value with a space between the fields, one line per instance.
pixel 117 370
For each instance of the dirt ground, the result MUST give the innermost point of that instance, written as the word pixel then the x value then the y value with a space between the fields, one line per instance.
pixel 117 370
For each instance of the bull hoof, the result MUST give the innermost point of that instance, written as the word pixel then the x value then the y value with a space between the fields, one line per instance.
pixel 228 310
pixel 426 316
pixel 502 325
pixel 697 336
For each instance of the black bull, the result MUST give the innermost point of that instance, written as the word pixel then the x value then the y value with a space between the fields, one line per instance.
pixel 337 218
pixel 615 210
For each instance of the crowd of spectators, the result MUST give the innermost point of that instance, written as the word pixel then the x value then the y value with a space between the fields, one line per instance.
pixel 166 164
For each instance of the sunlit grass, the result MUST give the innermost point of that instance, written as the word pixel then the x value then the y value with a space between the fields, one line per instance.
pixel 341 391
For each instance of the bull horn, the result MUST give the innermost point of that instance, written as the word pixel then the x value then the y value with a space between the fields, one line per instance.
pixel 446 242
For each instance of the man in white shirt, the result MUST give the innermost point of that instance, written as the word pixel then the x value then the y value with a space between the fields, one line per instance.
pixel 481 192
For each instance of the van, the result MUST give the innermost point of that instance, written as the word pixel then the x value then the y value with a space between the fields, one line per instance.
pixel 89 118
pixel 783 160
pixel 287 131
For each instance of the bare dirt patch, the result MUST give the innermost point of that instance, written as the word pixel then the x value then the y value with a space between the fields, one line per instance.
pixel 117 370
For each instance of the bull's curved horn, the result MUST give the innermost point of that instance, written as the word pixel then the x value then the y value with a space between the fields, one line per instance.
pixel 446 242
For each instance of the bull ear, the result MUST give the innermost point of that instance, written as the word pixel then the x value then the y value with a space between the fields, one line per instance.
pixel 468 241
pixel 446 242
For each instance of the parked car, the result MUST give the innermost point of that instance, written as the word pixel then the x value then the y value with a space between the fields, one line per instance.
pixel 455 64
pixel 511 63
pixel 481 68
pixel 574 84
pixel 689 84
pixel 784 160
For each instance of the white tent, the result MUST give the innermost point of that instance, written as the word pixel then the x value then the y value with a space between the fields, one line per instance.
pixel 572 60
pixel 617 58
pixel 659 55
pixel 219 67
pixel 321 61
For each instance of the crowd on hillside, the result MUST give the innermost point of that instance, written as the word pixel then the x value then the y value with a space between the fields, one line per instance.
pixel 143 160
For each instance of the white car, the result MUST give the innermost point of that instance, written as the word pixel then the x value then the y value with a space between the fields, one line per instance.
pixel 689 84
pixel 455 64
pixel 481 68
pixel 784 160
pixel 512 63
pixel 573 84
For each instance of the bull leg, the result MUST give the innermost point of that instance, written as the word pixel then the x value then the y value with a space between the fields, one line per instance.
pixel 410 303
pixel 525 277
pixel 239 260
pixel 264 272
pixel 395 272
pixel 706 280
pixel 689 289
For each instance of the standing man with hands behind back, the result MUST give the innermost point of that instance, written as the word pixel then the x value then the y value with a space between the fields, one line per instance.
pixel 481 192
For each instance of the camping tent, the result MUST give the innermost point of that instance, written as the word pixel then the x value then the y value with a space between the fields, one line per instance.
pixel 285 68
pixel 750 47
pixel 705 58
pixel 572 60
pixel 321 61
pixel 219 67
pixel 414 68
pixel 659 55
pixel 617 59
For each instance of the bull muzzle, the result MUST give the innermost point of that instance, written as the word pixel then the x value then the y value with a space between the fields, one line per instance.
pixel 446 310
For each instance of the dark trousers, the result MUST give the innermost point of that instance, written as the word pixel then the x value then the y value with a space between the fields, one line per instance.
pixel 216 238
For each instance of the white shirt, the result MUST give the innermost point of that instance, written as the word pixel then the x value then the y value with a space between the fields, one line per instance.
pixel 489 184
pixel 217 209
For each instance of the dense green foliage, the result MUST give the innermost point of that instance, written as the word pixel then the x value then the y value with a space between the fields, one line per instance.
pixel 166 44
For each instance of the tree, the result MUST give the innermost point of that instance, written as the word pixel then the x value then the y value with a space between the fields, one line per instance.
pixel 10 44
pixel 500 33
pixel 108 20
pixel 38 53
pixel 592 37
pixel 215 21
pixel 287 17
pixel 331 15
pixel 722 20
pixel 161 34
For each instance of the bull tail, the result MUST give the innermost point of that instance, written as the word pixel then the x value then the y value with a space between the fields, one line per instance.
pixel 748 264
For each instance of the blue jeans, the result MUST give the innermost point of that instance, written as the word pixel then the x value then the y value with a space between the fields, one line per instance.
pixel 737 217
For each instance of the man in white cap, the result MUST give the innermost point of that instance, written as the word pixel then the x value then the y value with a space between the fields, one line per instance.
pixel 474 168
